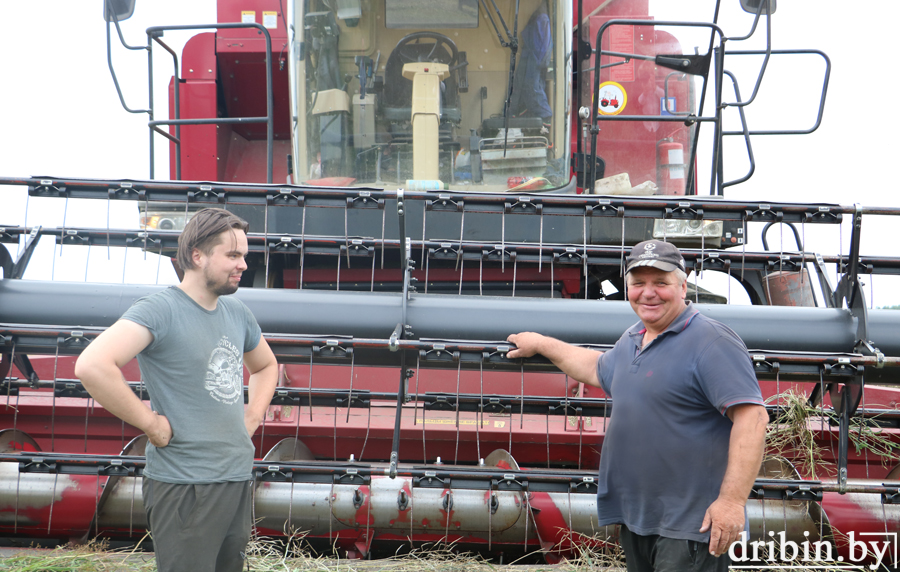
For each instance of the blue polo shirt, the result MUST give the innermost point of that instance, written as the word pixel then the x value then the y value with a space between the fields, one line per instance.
pixel 666 446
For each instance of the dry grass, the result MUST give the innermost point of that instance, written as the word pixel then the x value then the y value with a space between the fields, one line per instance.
pixel 792 435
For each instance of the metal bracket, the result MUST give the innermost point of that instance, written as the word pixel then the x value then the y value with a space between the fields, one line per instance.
pixel 70 236
pixel 524 204
pixel 850 292
pixel 285 196
pixel 401 330
pixel 822 215
pixel 273 473
pixel 46 188
pixel 760 364
pixel 570 256
pixel 604 208
pixel 116 469
pixel 445 203
pixel 763 212
pixel 587 482
pixel 365 201
pixel 205 194
pixel 508 483
pixel 352 475
pixel 431 480
pixel 684 211
pixel 17 270
pixel 127 191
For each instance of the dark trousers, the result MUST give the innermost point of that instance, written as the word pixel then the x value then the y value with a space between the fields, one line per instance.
pixel 660 554
pixel 198 528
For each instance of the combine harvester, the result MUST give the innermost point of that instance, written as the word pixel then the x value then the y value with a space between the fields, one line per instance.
pixel 413 175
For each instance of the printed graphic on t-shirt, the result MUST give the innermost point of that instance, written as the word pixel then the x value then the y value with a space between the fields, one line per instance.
pixel 225 373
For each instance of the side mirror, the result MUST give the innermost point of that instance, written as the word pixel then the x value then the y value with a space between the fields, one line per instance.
pixel 752 6
pixel 118 10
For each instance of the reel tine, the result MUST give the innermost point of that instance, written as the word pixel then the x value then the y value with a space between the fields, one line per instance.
pixel 481 275
pixel 541 243
pixel 350 394
pixel 368 428
pixel 515 268
pixel 52 502
pixel 547 419
pixel 87 262
pixel 459 252
pixel 266 241
pixel 312 352
pixel 302 244
pixel 383 222
pixel 479 415
pixel 584 259
pixel 346 239
pixel 338 281
pixel 372 279
pixel 522 398
pixel 458 372
pixel 424 220
pixel 53 405
pixel 503 241
pixel 12 358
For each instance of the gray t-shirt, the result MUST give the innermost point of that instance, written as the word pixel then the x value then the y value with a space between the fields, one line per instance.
pixel 194 371
pixel 666 446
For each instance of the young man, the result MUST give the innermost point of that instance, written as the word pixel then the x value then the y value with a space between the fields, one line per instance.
pixel 192 341
pixel 685 440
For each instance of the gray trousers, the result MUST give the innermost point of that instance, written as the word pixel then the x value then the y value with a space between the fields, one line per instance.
pixel 660 554
pixel 198 528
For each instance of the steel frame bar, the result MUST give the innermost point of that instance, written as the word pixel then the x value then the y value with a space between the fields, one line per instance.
pixel 429 401
pixel 166 242
pixel 449 354
pixel 434 476
pixel 692 208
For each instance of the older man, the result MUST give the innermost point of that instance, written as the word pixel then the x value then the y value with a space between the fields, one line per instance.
pixel 685 441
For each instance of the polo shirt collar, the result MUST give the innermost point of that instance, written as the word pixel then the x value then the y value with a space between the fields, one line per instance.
pixel 678 324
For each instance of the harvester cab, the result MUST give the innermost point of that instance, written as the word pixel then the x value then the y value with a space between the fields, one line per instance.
pixel 433 95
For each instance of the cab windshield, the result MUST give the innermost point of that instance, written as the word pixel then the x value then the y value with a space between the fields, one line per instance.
pixel 431 94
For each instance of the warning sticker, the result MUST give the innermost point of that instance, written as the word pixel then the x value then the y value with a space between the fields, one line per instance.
pixel 248 16
pixel 270 20
pixel 611 98
pixel 621 40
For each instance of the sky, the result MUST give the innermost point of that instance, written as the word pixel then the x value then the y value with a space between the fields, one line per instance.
pixel 62 118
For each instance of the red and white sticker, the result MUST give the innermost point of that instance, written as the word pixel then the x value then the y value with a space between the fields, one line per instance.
pixel 611 98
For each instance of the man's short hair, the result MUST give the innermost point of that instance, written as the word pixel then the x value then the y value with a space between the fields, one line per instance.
pixel 202 232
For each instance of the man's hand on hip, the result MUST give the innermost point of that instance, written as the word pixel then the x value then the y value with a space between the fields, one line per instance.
pixel 159 432
pixel 724 519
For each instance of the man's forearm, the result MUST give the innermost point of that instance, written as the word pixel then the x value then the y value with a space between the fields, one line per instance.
pixel 108 388
pixel 578 363
pixel 260 389
pixel 745 452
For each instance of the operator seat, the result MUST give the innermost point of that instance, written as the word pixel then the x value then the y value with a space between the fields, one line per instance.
pixel 397 100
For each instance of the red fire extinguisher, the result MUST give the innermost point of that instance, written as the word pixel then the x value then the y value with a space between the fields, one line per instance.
pixel 670 167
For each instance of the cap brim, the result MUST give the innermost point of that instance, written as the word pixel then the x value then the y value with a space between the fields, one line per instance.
pixel 664 266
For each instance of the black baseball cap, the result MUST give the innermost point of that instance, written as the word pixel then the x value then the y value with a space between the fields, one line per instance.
pixel 655 253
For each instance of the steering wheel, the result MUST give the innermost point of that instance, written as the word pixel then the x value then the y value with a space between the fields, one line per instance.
pixel 407 55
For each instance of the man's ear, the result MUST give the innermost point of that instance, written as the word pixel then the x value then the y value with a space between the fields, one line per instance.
pixel 196 257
